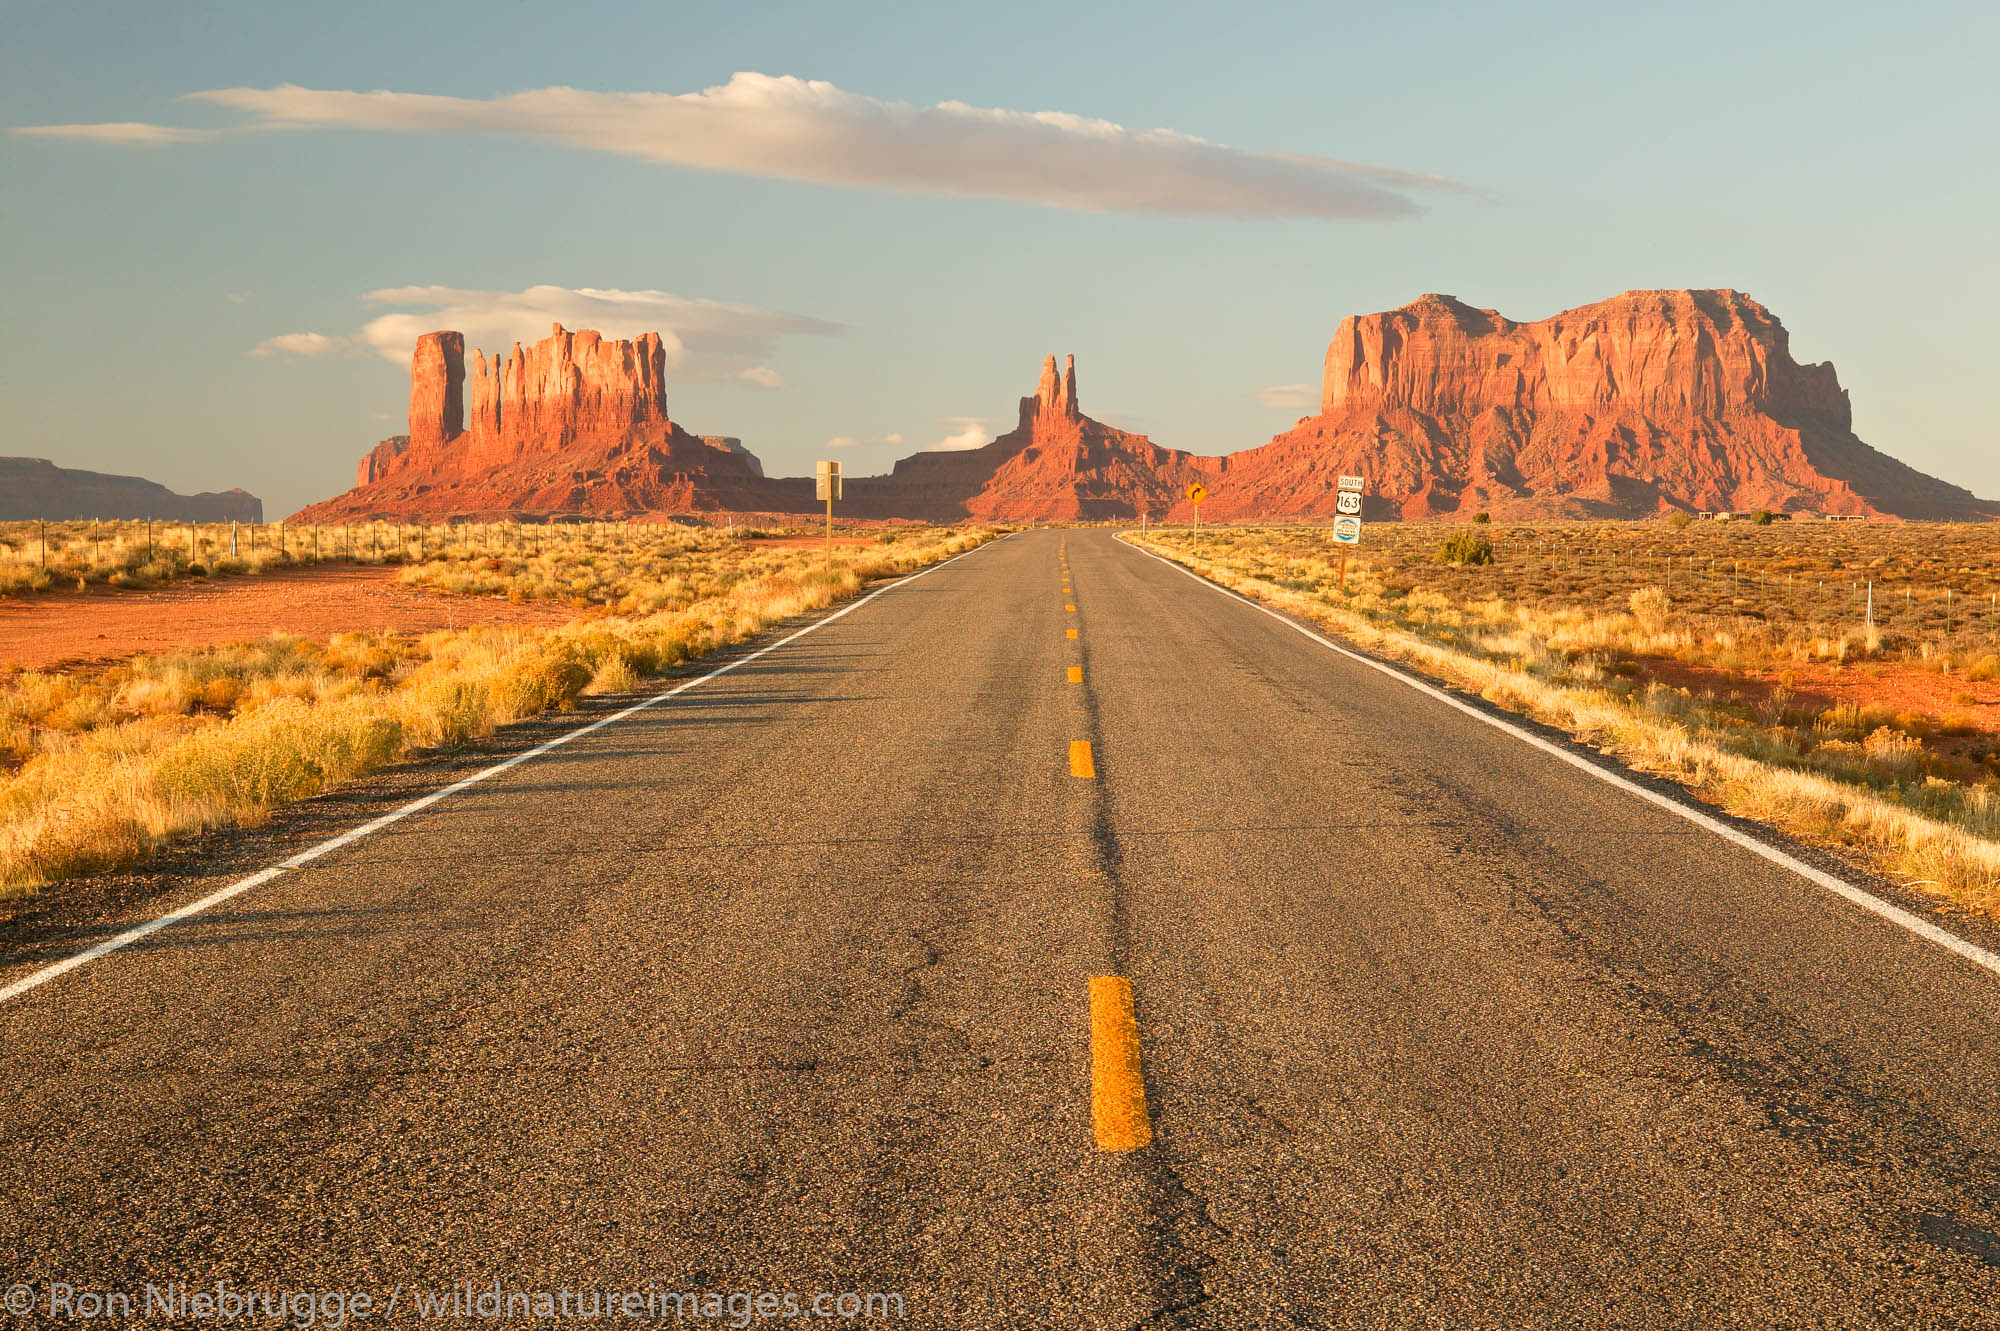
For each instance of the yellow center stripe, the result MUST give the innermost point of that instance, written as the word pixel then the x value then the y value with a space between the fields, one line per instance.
pixel 1117 1085
pixel 1072 633
pixel 1070 608
pixel 1076 674
pixel 1079 758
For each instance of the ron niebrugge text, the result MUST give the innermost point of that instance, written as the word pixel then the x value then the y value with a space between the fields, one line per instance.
pixel 225 1302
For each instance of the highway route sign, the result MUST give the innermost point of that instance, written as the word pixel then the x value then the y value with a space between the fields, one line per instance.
pixel 1349 502
pixel 1353 483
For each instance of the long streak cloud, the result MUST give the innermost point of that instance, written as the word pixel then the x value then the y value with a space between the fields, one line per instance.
pixel 806 130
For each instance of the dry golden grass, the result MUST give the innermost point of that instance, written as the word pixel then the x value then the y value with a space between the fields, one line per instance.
pixel 98 769
pixel 1790 592
pixel 39 556
pixel 1548 638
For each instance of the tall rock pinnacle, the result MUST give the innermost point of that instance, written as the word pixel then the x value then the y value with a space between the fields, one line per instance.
pixel 1050 386
pixel 1066 402
pixel 437 389
pixel 1055 394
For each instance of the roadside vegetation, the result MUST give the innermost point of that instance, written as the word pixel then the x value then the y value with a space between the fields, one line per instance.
pixel 46 556
pixel 100 767
pixel 635 572
pixel 1741 660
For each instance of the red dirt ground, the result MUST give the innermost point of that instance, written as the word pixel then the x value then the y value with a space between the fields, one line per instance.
pixel 1898 687
pixel 106 624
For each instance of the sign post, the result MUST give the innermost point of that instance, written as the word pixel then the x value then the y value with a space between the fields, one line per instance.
pixel 1347 519
pixel 1196 493
pixel 827 486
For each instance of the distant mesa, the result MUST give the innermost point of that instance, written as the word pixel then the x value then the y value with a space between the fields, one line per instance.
pixel 33 488
pixel 575 423
pixel 1650 402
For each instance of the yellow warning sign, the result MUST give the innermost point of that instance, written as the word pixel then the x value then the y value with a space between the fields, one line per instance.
pixel 1196 493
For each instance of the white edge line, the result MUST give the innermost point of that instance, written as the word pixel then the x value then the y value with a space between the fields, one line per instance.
pixel 1840 887
pixel 36 979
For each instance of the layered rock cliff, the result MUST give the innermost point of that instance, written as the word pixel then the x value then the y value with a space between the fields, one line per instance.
pixel 1649 401
pixel 576 423
pixel 33 488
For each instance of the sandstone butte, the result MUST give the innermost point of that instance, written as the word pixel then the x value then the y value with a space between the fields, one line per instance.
pixel 575 424
pixel 1650 402
pixel 37 488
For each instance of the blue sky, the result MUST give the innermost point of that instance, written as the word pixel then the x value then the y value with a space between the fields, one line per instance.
pixel 1834 161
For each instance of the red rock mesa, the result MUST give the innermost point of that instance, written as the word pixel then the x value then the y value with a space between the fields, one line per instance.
pixel 1651 401
pixel 573 424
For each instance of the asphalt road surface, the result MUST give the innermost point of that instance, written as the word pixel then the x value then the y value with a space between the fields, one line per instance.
pixel 784 985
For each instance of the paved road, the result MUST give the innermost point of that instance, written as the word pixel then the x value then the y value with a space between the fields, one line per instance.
pixel 783 985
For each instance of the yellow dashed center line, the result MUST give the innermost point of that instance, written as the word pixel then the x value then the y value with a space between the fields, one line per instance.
pixel 1079 758
pixel 1070 608
pixel 1117 1085
pixel 1072 633
pixel 1076 674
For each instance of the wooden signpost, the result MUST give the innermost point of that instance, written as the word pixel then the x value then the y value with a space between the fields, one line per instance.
pixel 826 485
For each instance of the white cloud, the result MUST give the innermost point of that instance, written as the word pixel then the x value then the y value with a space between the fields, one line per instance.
pixel 117 131
pixel 806 130
pixel 238 297
pixel 851 441
pixel 301 344
pixel 704 339
pixel 970 434
pixel 1288 397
